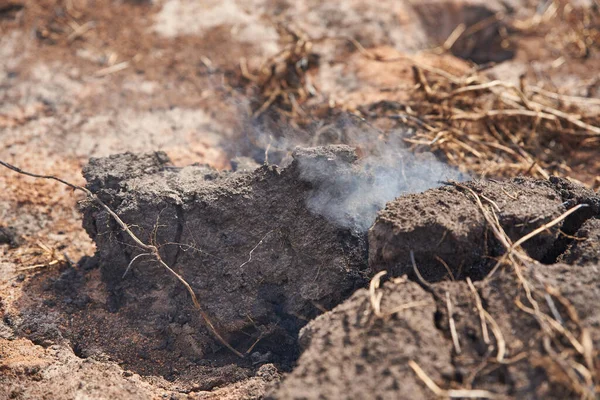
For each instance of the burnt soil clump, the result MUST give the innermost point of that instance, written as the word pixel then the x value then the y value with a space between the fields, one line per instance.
pixel 261 263
pixel 518 333
pixel 450 238
pixel 351 352
pixel 341 310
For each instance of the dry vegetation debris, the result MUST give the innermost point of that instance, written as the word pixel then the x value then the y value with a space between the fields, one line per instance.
pixel 480 124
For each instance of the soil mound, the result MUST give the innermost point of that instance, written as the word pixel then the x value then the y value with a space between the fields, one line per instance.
pixel 260 262
pixel 528 330
pixel 352 353
pixel 449 236
pixel 264 263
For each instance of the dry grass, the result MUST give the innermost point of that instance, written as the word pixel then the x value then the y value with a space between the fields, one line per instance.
pixel 496 128
pixel 572 31
pixel 562 340
pixel 487 127
pixel 281 82
pixel 492 128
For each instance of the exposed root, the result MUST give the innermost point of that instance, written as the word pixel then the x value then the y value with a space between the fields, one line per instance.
pixel 133 260
pixel 417 273
pixel 151 250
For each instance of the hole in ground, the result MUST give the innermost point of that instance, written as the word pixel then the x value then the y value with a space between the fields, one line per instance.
pixel 570 227
pixel 484 38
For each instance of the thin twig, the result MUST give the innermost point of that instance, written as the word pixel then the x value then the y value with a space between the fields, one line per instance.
pixel 254 248
pixel 374 296
pixel 150 249
pixel 452 393
pixel 547 226
pixel 454 36
pixel 479 304
pixel 452 325
pixel 112 69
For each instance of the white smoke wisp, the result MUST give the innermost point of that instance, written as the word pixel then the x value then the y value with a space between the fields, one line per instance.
pixel 351 194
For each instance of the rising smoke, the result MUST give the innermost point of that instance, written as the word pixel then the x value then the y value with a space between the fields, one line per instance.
pixel 350 192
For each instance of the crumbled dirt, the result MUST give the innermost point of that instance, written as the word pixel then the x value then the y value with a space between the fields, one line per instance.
pixel 31 371
pixel 350 354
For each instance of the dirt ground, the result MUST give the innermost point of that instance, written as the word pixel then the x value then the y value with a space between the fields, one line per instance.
pixel 427 94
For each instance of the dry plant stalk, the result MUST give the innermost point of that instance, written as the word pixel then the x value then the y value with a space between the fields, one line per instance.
pixel 452 324
pixel 282 81
pixel 151 250
pixel 451 393
pixel 376 296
